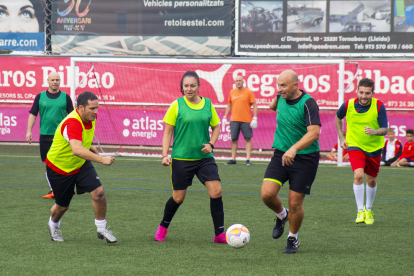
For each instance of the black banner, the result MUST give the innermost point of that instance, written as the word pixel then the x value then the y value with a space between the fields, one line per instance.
pixel 325 27
pixel 142 17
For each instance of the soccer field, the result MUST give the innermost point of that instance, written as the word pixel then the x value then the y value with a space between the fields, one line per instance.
pixel 137 189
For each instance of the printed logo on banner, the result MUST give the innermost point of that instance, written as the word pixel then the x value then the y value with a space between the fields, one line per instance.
pixel 74 23
pixel 6 123
pixel 143 127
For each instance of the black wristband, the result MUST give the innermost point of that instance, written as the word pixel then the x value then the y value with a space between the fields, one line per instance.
pixel 212 146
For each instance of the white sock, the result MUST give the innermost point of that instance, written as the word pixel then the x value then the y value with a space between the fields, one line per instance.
pixel 282 214
pixel 370 197
pixel 411 164
pixel 100 224
pixel 54 224
pixel 293 235
pixel 359 196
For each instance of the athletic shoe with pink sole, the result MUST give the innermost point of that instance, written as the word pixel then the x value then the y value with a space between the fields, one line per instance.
pixel 161 233
pixel 220 238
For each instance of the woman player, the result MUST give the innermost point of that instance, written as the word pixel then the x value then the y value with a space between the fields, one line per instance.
pixel 189 118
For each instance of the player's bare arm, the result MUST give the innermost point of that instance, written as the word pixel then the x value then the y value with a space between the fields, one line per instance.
pixel 80 151
pixel 379 132
pixel 94 149
pixel 255 109
pixel 228 109
pixel 214 136
pixel 166 141
pixel 308 139
pixel 273 104
pixel 339 125
pixel 30 123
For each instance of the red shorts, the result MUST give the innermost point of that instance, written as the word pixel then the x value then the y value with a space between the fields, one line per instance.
pixel 359 160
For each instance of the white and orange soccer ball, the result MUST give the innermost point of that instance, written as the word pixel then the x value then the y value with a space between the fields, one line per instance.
pixel 237 236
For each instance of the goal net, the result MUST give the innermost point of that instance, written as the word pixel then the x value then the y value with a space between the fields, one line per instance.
pixel 134 95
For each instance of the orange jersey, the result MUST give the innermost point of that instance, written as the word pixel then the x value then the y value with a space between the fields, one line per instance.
pixel 241 101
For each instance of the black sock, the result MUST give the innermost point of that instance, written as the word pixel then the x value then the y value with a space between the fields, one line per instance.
pixel 171 208
pixel 216 208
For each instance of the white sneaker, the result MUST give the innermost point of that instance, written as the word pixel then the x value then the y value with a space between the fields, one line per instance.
pixel 55 233
pixel 107 235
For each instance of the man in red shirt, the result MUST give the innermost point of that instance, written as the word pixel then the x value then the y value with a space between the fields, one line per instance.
pixel 407 157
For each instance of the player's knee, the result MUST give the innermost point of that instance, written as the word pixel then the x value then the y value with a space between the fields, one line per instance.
pixel 267 195
pixel 179 199
pixel 99 195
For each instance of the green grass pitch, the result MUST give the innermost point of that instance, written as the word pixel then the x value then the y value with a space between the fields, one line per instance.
pixel 137 189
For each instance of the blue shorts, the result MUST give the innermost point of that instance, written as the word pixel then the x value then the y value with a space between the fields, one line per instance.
pixel 409 159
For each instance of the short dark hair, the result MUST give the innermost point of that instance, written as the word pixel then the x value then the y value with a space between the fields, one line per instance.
pixel 367 82
pixel 189 74
pixel 84 97
pixel 409 131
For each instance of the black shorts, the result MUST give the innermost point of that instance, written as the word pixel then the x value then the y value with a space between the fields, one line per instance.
pixel 300 174
pixel 45 142
pixel 86 180
pixel 182 172
pixel 236 127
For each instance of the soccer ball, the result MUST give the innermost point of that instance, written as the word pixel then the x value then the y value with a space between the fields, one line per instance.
pixel 237 236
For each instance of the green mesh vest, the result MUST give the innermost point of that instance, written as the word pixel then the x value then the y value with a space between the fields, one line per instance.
pixel 52 112
pixel 291 126
pixel 191 131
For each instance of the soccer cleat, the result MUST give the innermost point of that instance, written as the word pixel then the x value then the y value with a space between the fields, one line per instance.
pixel 161 233
pixel 369 216
pixel 280 226
pixel 49 195
pixel 231 162
pixel 360 217
pixel 292 245
pixel 220 238
pixel 107 235
pixel 248 163
pixel 55 233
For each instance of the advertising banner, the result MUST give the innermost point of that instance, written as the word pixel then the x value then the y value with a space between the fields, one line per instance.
pixel 141 126
pixel 325 27
pixel 159 83
pixel 22 25
pixel 22 78
pixel 165 27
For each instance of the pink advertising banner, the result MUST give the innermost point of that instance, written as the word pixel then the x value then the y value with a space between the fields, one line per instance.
pixel 144 126
pixel 22 78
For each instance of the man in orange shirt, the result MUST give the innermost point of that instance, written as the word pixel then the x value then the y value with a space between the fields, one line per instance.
pixel 240 101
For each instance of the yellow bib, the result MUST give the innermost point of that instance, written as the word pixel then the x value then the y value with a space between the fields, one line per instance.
pixel 356 123
pixel 60 153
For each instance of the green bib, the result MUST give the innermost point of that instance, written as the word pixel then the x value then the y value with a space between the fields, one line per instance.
pixel 52 112
pixel 356 123
pixel 191 131
pixel 291 126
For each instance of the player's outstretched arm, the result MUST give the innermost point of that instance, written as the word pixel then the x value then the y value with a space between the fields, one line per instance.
pixel 166 141
pixel 30 123
pixel 80 151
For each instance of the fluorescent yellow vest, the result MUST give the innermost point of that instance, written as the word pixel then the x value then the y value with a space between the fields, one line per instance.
pixel 60 153
pixel 356 123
